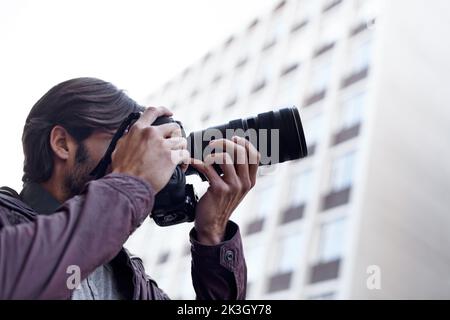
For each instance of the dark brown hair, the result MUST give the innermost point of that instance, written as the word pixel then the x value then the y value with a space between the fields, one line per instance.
pixel 81 106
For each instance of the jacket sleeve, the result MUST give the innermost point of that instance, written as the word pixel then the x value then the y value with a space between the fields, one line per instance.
pixel 38 258
pixel 219 272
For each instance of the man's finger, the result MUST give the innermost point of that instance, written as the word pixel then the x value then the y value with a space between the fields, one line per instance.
pixel 254 157
pixel 237 152
pixel 151 114
pixel 226 164
pixel 169 130
pixel 208 171
pixel 176 143
pixel 180 156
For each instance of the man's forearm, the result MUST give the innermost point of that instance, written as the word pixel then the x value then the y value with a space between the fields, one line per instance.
pixel 86 232
pixel 219 272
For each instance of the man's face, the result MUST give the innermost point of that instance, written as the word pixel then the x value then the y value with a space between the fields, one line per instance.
pixel 88 154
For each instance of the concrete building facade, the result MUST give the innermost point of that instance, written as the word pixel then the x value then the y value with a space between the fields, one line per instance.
pixel 366 215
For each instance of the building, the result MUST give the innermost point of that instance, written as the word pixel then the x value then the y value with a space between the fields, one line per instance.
pixel 371 200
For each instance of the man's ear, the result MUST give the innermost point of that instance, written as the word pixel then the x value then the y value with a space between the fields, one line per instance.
pixel 61 142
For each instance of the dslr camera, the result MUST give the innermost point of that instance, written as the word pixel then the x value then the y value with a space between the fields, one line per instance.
pixel 277 135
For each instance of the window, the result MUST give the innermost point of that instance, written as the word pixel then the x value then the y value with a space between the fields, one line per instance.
pixel 229 55
pixel 215 95
pixel 288 91
pixel 352 110
pixel 304 9
pixel 366 10
pixel 301 188
pixel 360 55
pixel 265 71
pixel 287 256
pixel 342 172
pixel 331 240
pixel 313 131
pixel 299 46
pixel 321 75
pixel 267 200
pixel 289 250
pixel 250 40
pixel 254 257
pixel 237 83
pixel 163 257
pixel 332 26
pixel 323 296
pixel 277 26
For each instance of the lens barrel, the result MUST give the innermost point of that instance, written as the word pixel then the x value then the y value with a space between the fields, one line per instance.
pixel 278 136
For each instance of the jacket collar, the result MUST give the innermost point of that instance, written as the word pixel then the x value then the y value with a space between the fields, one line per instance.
pixel 39 199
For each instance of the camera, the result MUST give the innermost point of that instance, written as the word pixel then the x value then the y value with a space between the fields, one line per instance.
pixel 278 136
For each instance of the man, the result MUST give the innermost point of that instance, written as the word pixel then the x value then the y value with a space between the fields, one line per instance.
pixel 37 252
pixel 66 134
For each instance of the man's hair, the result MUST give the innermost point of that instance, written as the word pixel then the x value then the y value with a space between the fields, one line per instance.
pixel 81 106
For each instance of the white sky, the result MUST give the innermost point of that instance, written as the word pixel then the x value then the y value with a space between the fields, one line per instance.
pixel 138 45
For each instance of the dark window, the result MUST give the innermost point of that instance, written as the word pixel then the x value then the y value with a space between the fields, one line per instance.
pixel 289 69
pixel 231 102
pixel 332 5
pixel 311 150
pixel 323 49
pixel 280 282
pixel 229 41
pixel 280 5
pixel 358 29
pixel 293 214
pixel 347 134
pixel 194 94
pixel 163 258
pixel 259 86
pixel 206 57
pixel 363 26
pixel 315 97
pixel 217 78
pixel 269 45
pixel 241 63
pixel 205 117
pixel 253 24
pixel 355 77
pixel 336 198
pixel 325 271
pixel 255 226
pixel 299 26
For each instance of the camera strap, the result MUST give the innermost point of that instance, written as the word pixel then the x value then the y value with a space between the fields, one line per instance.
pixel 100 169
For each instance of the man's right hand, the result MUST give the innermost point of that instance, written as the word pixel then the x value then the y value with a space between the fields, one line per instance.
pixel 151 152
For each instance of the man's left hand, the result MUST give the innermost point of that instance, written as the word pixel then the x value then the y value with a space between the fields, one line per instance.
pixel 239 162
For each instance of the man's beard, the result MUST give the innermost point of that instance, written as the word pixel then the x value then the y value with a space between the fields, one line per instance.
pixel 76 179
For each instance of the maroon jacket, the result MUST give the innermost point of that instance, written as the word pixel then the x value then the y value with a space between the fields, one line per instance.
pixel 88 231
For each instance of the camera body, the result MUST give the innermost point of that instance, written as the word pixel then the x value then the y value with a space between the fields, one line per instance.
pixel 278 133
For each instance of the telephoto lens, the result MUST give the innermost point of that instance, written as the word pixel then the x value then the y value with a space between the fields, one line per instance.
pixel 278 136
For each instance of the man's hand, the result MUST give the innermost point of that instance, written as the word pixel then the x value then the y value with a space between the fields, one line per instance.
pixel 239 165
pixel 151 152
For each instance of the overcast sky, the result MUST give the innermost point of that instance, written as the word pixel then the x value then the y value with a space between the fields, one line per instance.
pixel 136 44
